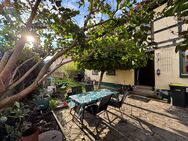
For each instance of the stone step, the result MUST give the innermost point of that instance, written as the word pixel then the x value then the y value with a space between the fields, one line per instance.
pixel 142 92
pixel 143 87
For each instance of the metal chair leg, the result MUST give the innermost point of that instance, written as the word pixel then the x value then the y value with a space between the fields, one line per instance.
pixel 71 111
pixel 73 114
pixel 108 116
pixel 96 128
pixel 82 118
pixel 121 113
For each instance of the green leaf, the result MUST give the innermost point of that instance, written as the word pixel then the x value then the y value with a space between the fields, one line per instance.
pixel 3 119
pixel 17 104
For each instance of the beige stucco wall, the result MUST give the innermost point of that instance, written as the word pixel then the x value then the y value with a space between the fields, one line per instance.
pixel 121 77
pixel 168 63
pixel 160 8
pixel 166 60
pixel 166 34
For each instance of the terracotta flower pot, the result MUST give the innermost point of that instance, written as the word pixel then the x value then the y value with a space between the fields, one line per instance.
pixel 31 134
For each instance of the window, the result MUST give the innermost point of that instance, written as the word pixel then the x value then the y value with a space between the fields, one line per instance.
pixel 111 72
pixel 184 63
pixel 95 72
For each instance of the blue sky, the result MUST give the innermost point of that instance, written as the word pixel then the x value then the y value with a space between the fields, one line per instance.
pixel 139 0
pixel 72 4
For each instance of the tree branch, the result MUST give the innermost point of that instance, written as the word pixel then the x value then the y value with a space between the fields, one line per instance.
pixel 29 3
pixel 33 13
pixel 10 100
pixel 89 15
pixel 14 84
pixel 1 8
pixel 18 67
pixel 100 23
pixel 55 57
pixel 5 58
pixel 58 66
pixel 6 73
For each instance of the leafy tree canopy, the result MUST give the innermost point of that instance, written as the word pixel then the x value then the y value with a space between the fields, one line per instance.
pixel 112 53
pixel 119 44
pixel 56 33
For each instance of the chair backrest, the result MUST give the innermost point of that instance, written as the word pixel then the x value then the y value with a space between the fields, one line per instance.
pixel 124 95
pixel 104 103
pixel 76 90
pixel 89 87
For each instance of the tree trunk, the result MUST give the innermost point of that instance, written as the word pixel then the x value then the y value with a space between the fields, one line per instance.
pixel 10 100
pixel 5 58
pixel 8 69
pixel 100 80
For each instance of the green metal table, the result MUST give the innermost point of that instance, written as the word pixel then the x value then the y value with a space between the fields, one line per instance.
pixel 84 99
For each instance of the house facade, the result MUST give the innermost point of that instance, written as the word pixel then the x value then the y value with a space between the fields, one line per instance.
pixel 166 67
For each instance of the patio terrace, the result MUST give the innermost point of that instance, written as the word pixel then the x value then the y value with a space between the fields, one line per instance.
pixel 146 120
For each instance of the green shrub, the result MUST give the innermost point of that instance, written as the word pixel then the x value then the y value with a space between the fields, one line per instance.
pixel 70 70
pixel 12 121
pixel 53 103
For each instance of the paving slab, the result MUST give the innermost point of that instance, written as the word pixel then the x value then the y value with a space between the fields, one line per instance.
pixel 148 120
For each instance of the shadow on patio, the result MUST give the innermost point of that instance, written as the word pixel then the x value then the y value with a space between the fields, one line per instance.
pixel 144 132
pixel 146 121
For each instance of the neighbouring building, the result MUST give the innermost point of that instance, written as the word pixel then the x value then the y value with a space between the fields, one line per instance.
pixel 166 67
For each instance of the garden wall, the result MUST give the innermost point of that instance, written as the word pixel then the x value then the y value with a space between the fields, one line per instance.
pixel 123 77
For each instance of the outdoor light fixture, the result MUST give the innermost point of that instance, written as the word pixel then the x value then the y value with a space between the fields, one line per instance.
pixel 158 71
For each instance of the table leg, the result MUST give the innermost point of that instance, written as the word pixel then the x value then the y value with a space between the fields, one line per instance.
pixel 82 116
pixel 81 113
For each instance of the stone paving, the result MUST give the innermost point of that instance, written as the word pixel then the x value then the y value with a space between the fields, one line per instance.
pixel 145 120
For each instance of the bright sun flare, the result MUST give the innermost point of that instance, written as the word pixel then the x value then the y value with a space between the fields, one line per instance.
pixel 30 38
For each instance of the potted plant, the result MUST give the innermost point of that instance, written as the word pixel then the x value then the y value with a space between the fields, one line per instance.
pixel 31 134
pixel 42 102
